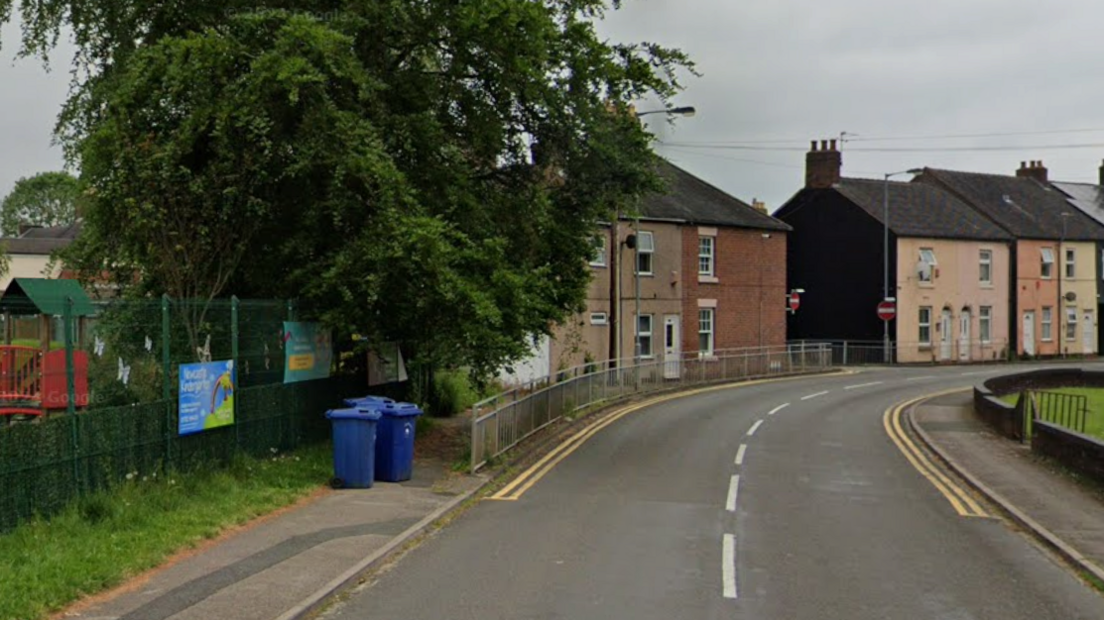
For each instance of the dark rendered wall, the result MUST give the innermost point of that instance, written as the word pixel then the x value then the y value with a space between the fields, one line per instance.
pixel 835 254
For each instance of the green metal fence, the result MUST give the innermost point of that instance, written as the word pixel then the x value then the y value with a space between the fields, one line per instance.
pixel 130 423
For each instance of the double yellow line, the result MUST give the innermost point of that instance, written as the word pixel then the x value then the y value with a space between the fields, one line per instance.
pixel 521 484
pixel 963 503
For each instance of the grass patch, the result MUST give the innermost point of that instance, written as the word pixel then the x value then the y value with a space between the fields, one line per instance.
pixel 1094 419
pixel 106 538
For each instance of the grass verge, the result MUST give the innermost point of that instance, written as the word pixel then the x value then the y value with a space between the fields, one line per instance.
pixel 109 537
pixel 1094 420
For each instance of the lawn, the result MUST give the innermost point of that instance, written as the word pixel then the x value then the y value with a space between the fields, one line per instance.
pixel 1094 422
pixel 107 538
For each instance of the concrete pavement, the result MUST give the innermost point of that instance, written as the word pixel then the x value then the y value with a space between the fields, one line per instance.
pixel 1065 515
pixel 286 566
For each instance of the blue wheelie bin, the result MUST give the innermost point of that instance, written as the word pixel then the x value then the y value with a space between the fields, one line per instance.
pixel 395 442
pixel 374 402
pixel 354 447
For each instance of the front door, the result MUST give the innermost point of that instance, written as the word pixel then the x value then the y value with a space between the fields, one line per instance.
pixel 964 336
pixel 1029 332
pixel 1088 333
pixel 672 350
pixel 945 340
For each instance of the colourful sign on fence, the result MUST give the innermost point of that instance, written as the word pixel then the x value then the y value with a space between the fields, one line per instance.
pixel 308 352
pixel 206 396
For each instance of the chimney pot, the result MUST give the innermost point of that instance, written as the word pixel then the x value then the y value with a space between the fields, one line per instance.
pixel 1034 169
pixel 822 167
pixel 812 145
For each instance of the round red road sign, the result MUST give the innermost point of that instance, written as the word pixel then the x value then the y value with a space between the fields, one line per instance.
pixel 887 310
pixel 795 302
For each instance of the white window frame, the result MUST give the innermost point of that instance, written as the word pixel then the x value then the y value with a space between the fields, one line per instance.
pixel 1071 323
pixel 706 329
pixel 1046 320
pixel 985 267
pixel 1071 263
pixel 598 259
pixel 1046 268
pixel 927 257
pixel 925 325
pixel 646 352
pixel 985 324
pixel 644 250
pixel 599 318
pixel 707 252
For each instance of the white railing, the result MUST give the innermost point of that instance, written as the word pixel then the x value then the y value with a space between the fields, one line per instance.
pixel 501 422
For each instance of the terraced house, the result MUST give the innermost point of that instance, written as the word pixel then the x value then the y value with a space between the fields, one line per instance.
pixel 857 241
pixel 706 270
pixel 1055 263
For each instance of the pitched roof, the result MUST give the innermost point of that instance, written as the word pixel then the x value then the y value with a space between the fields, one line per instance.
pixel 1022 206
pixel 919 210
pixel 41 240
pixel 693 201
pixel 45 296
pixel 1087 197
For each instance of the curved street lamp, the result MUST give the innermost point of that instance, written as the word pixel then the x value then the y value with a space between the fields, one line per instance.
pixel 886 355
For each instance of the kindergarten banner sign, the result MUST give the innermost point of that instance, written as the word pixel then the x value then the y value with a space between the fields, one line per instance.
pixel 206 396
pixel 308 352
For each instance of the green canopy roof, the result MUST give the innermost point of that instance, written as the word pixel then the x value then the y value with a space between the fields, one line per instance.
pixel 43 296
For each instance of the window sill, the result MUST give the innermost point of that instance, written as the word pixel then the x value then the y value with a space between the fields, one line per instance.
pixel 596 266
pixel 925 284
pixel 924 347
pixel 987 285
pixel 644 275
pixel 708 279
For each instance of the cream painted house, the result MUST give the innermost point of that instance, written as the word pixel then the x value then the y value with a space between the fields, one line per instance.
pixel 30 254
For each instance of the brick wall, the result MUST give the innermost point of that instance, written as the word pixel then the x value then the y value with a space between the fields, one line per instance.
pixel 748 267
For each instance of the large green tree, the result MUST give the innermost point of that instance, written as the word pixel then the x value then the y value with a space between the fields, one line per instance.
pixel 45 199
pixel 429 172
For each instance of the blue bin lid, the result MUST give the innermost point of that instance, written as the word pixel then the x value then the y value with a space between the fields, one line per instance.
pixel 400 410
pixel 370 415
pixel 365 400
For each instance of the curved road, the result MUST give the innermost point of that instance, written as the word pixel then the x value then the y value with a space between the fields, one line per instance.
pixel 775 501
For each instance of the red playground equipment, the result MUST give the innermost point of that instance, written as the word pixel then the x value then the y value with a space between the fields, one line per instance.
pixel 35 367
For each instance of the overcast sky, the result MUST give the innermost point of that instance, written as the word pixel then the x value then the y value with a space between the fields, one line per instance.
pixel 779 73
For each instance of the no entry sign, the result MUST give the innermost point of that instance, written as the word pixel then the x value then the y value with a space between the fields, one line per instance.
pixel 887 310
pixel 795 301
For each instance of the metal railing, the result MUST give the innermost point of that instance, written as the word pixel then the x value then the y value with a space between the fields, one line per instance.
pixel 1066 410
pixel 501 422
pixel 873 352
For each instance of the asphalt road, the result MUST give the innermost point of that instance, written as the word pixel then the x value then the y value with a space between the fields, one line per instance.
pixel 775 501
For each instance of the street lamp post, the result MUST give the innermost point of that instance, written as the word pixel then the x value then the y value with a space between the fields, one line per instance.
pixel 887 355
pixel 686 111
pixel 1061 305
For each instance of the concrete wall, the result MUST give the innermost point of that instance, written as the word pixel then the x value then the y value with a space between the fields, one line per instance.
pixel 955 286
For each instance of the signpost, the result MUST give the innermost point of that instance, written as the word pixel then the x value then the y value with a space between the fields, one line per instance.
pixel 887 310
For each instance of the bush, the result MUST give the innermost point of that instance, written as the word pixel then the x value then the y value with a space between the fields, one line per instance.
pixel 452 393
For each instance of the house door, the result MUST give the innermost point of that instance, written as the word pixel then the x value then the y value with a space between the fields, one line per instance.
pixel 672 351
pixel 945 340
pixel 1088 333
pixel 1029 332
pixel 964 336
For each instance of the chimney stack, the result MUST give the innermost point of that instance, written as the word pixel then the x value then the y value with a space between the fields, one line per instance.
pixel 1033 170
pixel 822 167
pixel 759 206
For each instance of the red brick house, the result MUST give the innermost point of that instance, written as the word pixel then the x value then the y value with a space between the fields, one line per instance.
pixel 707 270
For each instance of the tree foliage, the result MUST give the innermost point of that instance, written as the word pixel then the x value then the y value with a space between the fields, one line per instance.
pixel 428 172
pixel 45 199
